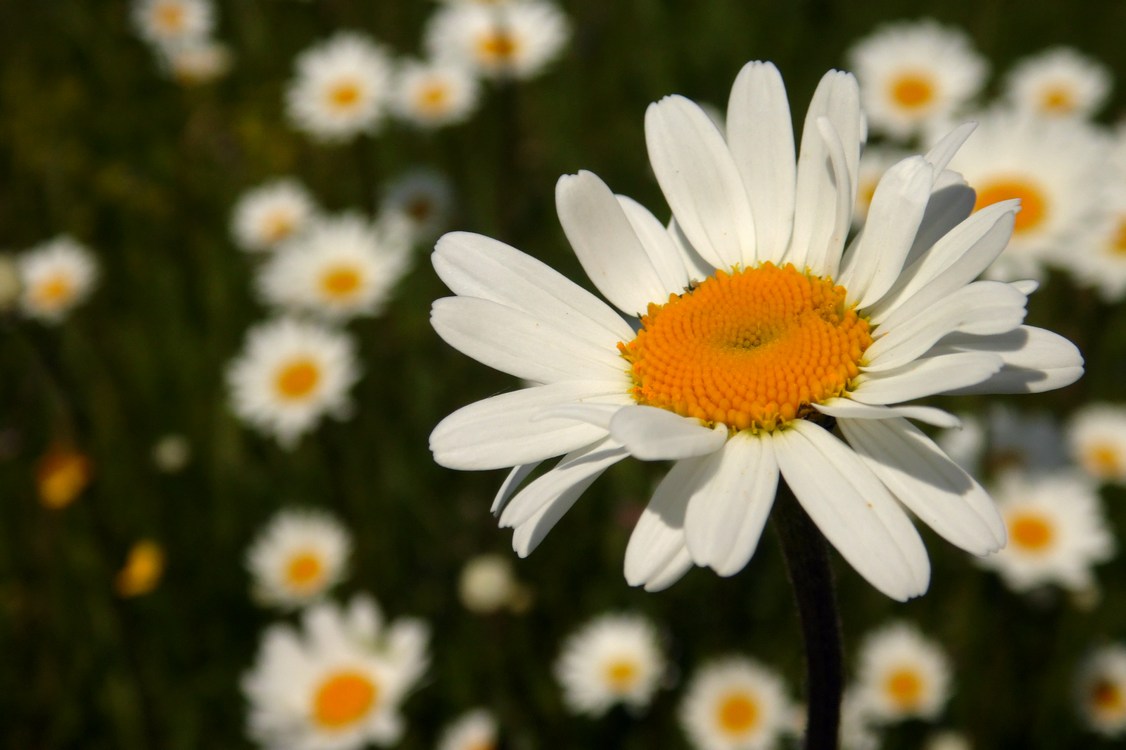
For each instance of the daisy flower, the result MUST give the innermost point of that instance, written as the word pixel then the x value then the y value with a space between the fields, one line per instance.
pixel 1057 531
pixel 614 658
pixel 734 704
pixel 857 731
pixel 338 682
pixel 341 88
pixel 425 197
pixel 476 730
pixel 503 40
pixel 171 453
pixel 339 268
pixel 1059 82
pixel 488 584
pixel 167 23
pixel 270 214
pixel 55 277
pixel 1101 690
pixel 1099 259
pixel 198 62
pixel 902 675
pixel 755 337
pixel 913 73
pixel 289 374
pixel 434 94
pixel 297 557
pixel 1096 435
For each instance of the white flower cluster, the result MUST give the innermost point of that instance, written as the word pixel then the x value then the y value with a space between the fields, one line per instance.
pixel 180 34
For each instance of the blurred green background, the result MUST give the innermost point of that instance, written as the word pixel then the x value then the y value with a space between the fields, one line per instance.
pixel 97 142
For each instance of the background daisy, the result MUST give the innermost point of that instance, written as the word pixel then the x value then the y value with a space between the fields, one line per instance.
pixel 734 704
pixel 510 40
pixel 1058 82
pixel 1100 690
pixel 269 214
pixel 1096 435
pixel 55 277
pixel 613 659
pixel 901 675
pixel 297 557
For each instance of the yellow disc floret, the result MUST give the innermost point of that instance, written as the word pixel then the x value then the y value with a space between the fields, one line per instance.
pixel 751 349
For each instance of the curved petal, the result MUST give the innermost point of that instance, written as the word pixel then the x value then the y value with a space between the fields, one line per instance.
pixel 853 509
pixel 658 537
pixel 672 572
pixel 654 434
pixel 951 202
pixel 943 151
pixel 663 251
pixel 1035 360
pixel 511 482
pixel 925 377
pixel 843 408
pixel 697 268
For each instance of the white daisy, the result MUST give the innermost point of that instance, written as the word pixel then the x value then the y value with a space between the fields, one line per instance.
pixel 874 162
pixel 1096 435
pixel 337 684
pixel 55 277
pixel 734 704
pixel 198 62
pixel 171 453
pixel 1058 82
pixel 488 584
pixel 901 675
pixel 166 23
pixel 297 557
pixel 289 374
pixel 614 658
pixel 271 213
pixel 913 73
pixel 1057 531
pixel 339 267
pixel 1099 258
pixel 476 730
pixel 341 88
pixel 434 94
pixel 1054 167
pixel 752 342
pixel 1101 690
pixel 425 197
pixel 513 39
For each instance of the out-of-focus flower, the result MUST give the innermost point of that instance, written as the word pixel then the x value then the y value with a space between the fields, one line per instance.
pixel 142 571
pixel 297 557
pixel 339 267
pixel 476 730
pixel 504 40
pixel 1100 693
pixel 338 682
pixel 341 88
pixel 270 214
pixel 168 23
pixel 901 675
pixel 1096 435
pixel 55 277
pixel 1058 82
pixel 1057 531
pixel 915 73
pixel 433 95
pixel 198 62
pixel 612 659
pixel 61 475
pixel 425 197
pixel 289 374
pixel 1099 258
pixel 487 584
pixel 857 731
pixel 171 453
pixel 734 704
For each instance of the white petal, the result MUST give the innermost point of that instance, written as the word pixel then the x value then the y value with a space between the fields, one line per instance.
pixel 824 259
pixel 514 479
pixel 700 180
pixel 1026 286
pixel 943 151
pixel 605 243
pixel 598 415
pixel 761 137
pixel 725 517
pixel 925 377
pixel 697 268
pixel 654 434
pixel 853 509
pixel 658 537
pixel 1034 360
pixel 664 253
pixel 672 572
pixel 951 202
pixel 924 479
pixel 849 409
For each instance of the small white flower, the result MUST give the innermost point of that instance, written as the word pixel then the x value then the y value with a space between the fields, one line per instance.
pixel 167 23
pixel 198 62
pixel 271 213
pixel 341 88
pixel 487 584
pixel 171 453
pixel 734 704
pixel 55 276
pixel 1096 435
pixel 614 658
pixel 297 557
pixel 1099 258
pixel 514 39
pixel 1058 82
pixel 901 675
pixel 1057 531
pixel 290 374
pixel 424 197
pixel 1101 690
pixel 476 730
pixel 434 94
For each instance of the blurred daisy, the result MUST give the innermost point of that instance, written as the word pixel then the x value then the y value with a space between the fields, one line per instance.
pixel 913 73
pixel 337 684
pixel 901 675
pixel 614 658
pixel 476 730
pixel 167 23
pixel 142 571
pixel 502 40
pixel 487 584
pixel 874 162
pixel 743 362
pixel 1099 258
pixel 339 268
pixel 1057 531
pixel 55 277
pixel 61 475
pixel 857 730
pixel 1101 690
pixel 1059 82
pixel 290 374
pixel 1054 167
pixel 431 95
pixel 1024 440
pixel 271 213
pixel 297 557
pixel 1096 435
pixel 171 453
pixel 734 704
pixel 198 62
pixel 341 88
pixel 425 197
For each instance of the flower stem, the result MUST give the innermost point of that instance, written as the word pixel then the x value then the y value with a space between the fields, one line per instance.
pixel 807 561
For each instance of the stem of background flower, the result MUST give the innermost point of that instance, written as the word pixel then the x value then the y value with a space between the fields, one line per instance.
pixel 807 561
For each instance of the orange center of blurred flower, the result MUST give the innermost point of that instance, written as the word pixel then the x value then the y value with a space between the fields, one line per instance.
pixel 297 379
pixel 54 291
pixel 749 349
pixel 61 476
pixel 420 208
pixel 278 226
pixel 304 570
pixel 344 698
pixel 169 17
pixel 904 688
pixel 1102 459
pixel 344 95
pixel 1107 697
pixel 621 674
pixel 1030 532
pixel 1033 202
pixel 1118 241
pixel 912 90
pixel 497 47
pixel 433 97
pixel 341 282
pixel 738 713
pixel 1057 100
pixel 142 570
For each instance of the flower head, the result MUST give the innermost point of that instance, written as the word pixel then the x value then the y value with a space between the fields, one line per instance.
pixel 298 557
pixel 169 23
pixel 1059 82
pixel 902 675
pixel 270 214
pixel 1101 690
pixel 734 704
pixel 612 659
pixel 476 730
pixel 434 94
pixel 424 198
pixel 56 276
pixel 1096 435
pixel 500 40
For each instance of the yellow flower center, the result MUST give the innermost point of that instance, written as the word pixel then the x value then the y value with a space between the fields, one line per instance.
pixel 1033 202
pixel 1103 459
pixel 1107 697
pixel 278 226
pixel 341 282
pixel 1057 100
pixel 738 713
pixel 169 17
pixel 61 476
pixel 905 688
pixel 434 97
pixel 297 379
pixel 751 349
pixel 621 674
pixel 304 570
pixel 420 208
pixel 54 292
pixel 497 47
pixel 912 90
pixel 344 95
pixel 143 569
pixel 1030 532
pixel 344 698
